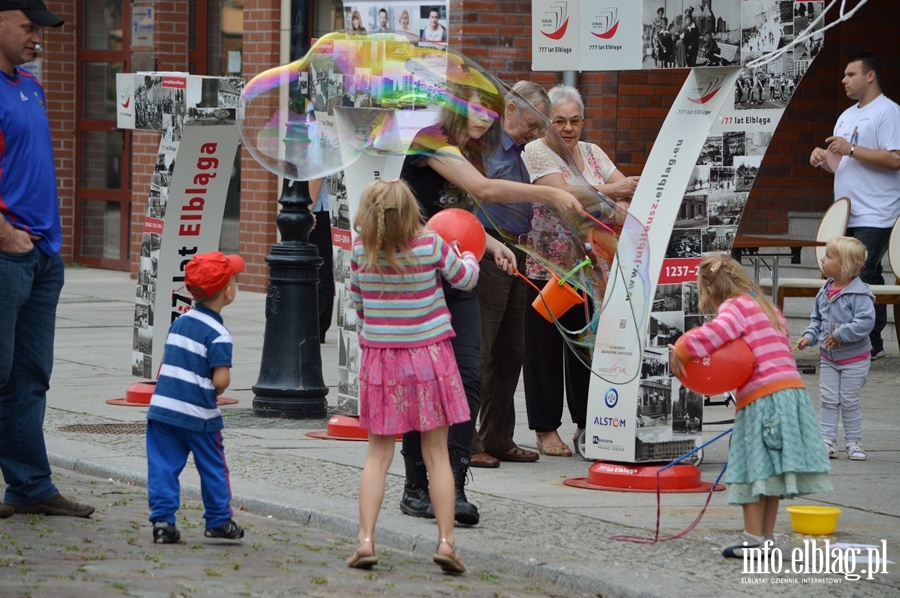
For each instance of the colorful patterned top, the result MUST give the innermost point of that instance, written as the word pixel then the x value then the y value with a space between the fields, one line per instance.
pixel 409 310
pixel 548 237
pixel 742 317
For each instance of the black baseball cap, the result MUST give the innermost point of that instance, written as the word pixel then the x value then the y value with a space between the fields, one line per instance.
pixel 35 10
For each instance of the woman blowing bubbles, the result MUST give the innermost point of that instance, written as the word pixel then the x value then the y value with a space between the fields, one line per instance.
pixel 444 168
pixel 550 366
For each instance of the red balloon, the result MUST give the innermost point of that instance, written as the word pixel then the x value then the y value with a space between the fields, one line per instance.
pixel 454 224
pixel 728 368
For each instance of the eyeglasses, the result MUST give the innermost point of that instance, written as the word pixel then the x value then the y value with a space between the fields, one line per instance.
pixel 560 123
pixel 534 127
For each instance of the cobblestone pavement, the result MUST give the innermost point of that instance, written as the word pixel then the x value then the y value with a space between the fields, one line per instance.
pixel 297 497
pixel 112 554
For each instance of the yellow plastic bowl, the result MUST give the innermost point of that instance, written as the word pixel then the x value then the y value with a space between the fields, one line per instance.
pixel 813 520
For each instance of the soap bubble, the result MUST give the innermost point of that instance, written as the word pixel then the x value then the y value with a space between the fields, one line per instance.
pixel 386 94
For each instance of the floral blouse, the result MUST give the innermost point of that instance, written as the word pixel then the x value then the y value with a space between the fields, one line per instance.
pixel 547 236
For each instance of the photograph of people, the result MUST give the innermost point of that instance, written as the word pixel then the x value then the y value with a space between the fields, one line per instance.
pixel 403 25
pixel 434 31
pixel 383 21
pixel 356 24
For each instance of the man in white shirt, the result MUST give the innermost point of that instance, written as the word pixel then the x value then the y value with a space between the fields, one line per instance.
pixel 864 156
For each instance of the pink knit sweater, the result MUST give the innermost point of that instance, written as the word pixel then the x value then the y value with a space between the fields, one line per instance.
pixel 741 317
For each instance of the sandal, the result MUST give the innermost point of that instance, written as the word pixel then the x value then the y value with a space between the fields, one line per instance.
pixel 451 563
pixel 855 451
pixel 831 449
pixel 561 450
pixel 358 561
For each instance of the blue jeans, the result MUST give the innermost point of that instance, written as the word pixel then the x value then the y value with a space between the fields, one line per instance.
pixel 876 242
pixel 31 284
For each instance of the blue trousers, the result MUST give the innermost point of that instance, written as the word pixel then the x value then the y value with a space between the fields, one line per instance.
pixel 30 284
pixel 167 452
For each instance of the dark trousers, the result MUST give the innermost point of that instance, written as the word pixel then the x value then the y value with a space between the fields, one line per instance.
pixel 876 242
pixel 550 366
pixel 502 299
pixel 466 317
pixel 320 236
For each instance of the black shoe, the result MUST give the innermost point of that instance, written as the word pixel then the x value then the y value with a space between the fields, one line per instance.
pixel 6 511
pixel 415 500
pixel 56 505
pixel 165 533
pixel 229 530
pixel 466 512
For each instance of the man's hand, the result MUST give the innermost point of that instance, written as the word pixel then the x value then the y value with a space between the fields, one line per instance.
pixel 838 145
pixel 817 157
pixel 17 241
pixel 504 258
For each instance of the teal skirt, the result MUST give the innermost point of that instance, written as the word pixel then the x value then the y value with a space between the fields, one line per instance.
pixel 777 449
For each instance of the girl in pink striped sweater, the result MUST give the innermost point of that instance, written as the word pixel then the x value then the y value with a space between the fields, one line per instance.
pixel 408 378
pixel 776 449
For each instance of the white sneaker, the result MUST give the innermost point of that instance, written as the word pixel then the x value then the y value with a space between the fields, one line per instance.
pixel 876 355
pixel 831 449
pixel 855 452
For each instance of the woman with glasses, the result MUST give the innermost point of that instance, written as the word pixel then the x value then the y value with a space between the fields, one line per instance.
pixel 549 365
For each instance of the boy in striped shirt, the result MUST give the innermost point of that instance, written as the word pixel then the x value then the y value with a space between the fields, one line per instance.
pixel 184 417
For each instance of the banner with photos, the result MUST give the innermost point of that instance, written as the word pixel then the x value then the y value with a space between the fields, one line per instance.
pixel 185 206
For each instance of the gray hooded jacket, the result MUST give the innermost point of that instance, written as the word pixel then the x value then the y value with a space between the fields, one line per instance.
pixel 849 315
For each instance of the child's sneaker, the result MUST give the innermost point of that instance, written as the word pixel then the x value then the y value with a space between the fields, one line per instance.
pixel 229 530
pixel 831 449
pixel 855 452
pixel 165 533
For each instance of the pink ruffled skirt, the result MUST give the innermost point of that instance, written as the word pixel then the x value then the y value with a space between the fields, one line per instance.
pixel 402 390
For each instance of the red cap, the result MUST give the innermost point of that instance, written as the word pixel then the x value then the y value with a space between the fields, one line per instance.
pixel 208 273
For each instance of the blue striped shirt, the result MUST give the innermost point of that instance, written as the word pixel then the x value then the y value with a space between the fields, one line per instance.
pixel 184 395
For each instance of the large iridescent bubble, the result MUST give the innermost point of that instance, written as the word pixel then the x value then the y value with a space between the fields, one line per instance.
pixel 380 94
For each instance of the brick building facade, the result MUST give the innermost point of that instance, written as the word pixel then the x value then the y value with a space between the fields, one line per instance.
pixel 624 111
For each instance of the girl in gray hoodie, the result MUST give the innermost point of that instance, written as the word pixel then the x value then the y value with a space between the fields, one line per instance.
pixel 840 323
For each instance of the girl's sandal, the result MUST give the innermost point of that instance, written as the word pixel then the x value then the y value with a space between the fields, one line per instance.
pixel 449 563
pixel 358 561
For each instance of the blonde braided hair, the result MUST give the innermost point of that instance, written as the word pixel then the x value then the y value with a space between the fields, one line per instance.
pixel 388 219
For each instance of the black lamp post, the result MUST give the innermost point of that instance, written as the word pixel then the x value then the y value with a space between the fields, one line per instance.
pixel 290 380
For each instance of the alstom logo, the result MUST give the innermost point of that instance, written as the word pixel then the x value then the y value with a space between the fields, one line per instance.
pixel 605 24
pixel 705 90
pixel 555 21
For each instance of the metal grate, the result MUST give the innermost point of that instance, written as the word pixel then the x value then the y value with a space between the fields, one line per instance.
pixel 135 428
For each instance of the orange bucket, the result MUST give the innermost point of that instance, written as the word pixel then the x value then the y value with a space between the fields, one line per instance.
pixel 556 298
